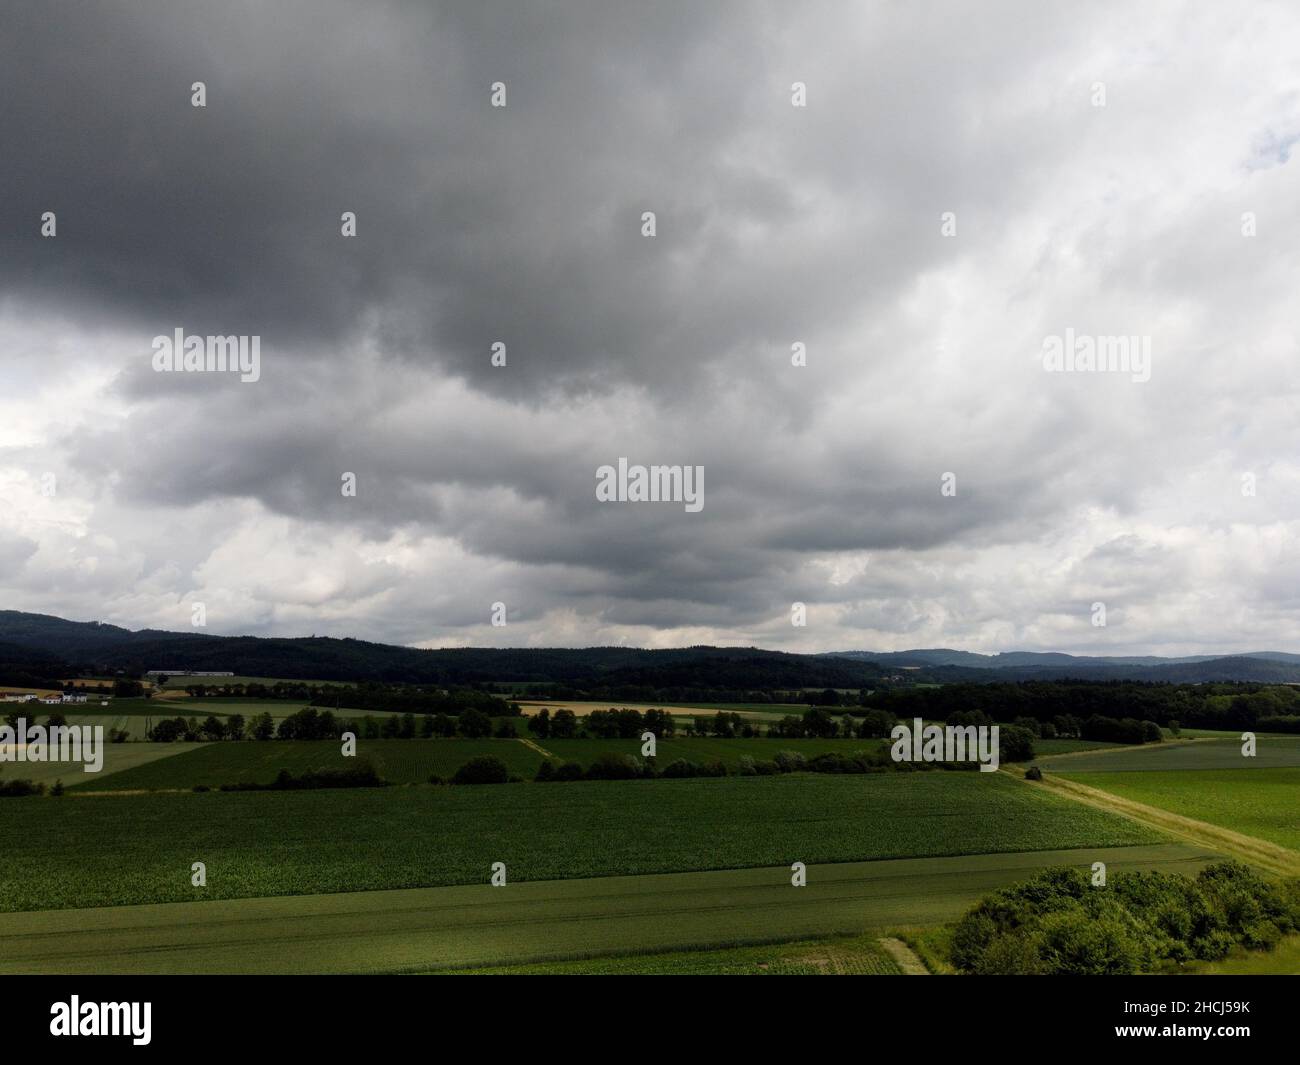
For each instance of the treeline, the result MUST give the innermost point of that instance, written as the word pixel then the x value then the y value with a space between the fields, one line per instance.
pixel 310 723
pixel 1060 923
pixel 397 699
pixel 1209 706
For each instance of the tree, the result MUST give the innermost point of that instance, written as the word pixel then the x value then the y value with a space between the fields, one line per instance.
pixel 235 726
pixel 540 725
pixel 564 725
pixel 485 769
pixel 213 728
pixel 475 725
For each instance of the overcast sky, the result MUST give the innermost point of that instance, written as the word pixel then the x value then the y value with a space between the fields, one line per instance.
pixel 1105 164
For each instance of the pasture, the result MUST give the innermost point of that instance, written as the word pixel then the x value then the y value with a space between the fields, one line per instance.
pixel 103 850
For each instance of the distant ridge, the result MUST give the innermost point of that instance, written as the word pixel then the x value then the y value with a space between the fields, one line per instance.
pixel 87 645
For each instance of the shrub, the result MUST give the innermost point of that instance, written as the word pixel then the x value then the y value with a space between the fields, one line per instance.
pixel 13 789
pixel 485 769
pixel 1033 773
pixel 680 768
pixel 1058 922
pixel 545 771
pixel 745 766
pixel 612 766
pixel 790 761
pixel 569 771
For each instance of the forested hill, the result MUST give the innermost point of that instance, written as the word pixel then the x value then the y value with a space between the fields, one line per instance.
pixel 41 645
pixel 107 647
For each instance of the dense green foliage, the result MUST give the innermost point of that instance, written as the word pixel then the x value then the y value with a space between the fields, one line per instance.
pixel 1059 923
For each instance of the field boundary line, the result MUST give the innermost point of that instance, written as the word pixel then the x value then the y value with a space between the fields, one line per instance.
pixel 530 744
pixel 1275 859
pixel 1128 748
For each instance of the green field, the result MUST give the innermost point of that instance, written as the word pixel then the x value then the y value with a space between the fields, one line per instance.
pixel 1045 748
pixel 398 761
pixel 701 749
pixel 527 923
pixel 118 757
pixel 840 956
pixel 137 848
pixel 1272 752
pixel 1262 802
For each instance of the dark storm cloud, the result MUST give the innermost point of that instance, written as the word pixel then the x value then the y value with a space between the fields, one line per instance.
pixel 775 224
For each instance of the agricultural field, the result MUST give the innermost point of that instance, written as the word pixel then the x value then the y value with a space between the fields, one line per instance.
pixel 702 749
pixel 839 956
pixel 545 922
pixel 249 762
pixel 118 758
pixel 1264 803
pixel 137 848
pixel 1272 752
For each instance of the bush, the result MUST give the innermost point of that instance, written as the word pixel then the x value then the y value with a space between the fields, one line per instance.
pixel 1033 773
pixel 612 766
pixel 545 771
pixel 485 769
pixel 57 790
pixel 790 761
pixel 679 769
pixel 745 766
pixel 1059 923
pixel 14 789
pixel 569 771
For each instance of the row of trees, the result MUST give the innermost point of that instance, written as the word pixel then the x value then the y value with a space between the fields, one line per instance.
pixel 313 724
pixel 1220 706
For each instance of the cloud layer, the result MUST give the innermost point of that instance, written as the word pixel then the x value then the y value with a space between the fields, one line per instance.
pixel 126 495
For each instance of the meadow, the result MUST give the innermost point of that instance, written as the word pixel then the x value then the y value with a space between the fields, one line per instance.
pixel 103 850
pixel 1264 803
pixel 1272 752
pixel 118 757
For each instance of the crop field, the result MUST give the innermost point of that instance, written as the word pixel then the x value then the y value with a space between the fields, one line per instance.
pixel 429 929
pixel 702 749
pixel 258 762
pixel 137 848
pixel 118 757
pixel 1272 752
pixel 1262 802
pixel 838 956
